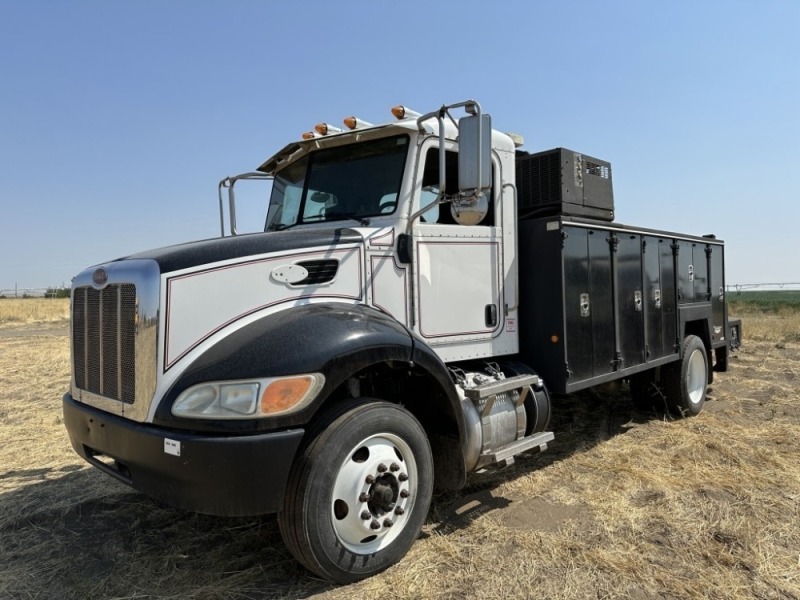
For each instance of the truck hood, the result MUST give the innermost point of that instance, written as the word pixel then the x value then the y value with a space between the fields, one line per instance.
pixel 183 256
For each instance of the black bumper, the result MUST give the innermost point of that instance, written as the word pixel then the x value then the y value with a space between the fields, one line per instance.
pixel 227 475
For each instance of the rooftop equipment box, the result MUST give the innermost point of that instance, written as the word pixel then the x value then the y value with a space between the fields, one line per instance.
pixel 561 181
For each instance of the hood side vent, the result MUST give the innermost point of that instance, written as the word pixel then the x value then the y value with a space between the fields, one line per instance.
pixel 319 271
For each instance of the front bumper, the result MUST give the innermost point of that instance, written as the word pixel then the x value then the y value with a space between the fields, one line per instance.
pixel 226 475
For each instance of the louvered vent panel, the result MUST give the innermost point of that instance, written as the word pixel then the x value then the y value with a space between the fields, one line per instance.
pixel 319 271
pixel 539 181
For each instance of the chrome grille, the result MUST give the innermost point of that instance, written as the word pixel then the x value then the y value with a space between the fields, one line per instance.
pixel 103 341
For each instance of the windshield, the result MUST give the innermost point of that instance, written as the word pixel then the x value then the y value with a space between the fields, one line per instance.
pixel 355 181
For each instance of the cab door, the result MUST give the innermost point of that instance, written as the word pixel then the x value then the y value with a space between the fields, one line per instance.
pixel 458 299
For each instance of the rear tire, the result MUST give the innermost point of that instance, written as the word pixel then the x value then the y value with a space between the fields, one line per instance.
pixel 685 381
pixel 359 492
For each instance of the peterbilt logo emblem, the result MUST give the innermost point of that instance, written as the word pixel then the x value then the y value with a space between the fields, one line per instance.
pixel 100 276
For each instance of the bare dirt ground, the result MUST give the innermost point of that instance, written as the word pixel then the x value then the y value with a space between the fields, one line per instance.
pixel 624 504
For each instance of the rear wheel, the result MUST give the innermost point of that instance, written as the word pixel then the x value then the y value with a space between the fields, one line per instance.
pixel 685 381
pixel 359 492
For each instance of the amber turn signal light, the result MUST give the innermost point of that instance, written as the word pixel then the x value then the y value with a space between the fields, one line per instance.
pixel 285 394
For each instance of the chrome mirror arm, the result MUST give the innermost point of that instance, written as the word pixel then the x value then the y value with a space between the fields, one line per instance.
pixel 228 184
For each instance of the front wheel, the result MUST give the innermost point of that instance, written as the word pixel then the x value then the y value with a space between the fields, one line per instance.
pixel 685 381
pixel 359 492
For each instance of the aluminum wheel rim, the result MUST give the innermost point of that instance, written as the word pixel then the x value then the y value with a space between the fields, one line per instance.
pixel 374 493
pixel 696 377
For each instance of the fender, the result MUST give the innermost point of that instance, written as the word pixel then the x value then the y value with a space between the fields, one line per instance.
pixel 334 339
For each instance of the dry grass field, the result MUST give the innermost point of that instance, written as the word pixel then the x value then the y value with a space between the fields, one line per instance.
pixel 33 314
pixel 624 504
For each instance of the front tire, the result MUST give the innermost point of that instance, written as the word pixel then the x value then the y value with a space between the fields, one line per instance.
pixel 359 492
pixel 686 380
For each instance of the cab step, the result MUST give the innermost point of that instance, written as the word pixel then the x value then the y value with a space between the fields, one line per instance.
pixel 504 456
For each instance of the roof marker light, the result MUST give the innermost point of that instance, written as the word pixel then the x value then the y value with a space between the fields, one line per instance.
pixel 356 123
pixel 325 129
pixel 403 112
pixel 310 135
pixel 518 140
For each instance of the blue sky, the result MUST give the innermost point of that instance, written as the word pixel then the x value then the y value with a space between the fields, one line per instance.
pixel 117 119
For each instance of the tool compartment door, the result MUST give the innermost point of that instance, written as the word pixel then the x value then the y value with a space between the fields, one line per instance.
pixel 588 303
pixel 631 299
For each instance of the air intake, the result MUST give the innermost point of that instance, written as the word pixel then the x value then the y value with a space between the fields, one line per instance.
pixel 319 271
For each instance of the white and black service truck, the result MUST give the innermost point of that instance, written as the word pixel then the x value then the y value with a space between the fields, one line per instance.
pixel 419 290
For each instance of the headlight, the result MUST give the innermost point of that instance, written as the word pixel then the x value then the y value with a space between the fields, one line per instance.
pixel 248 399
pixel 239 397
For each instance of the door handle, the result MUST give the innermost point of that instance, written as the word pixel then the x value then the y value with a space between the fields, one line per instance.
pixel 490 315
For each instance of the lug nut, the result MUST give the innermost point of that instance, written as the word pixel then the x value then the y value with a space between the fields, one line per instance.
pixel 399 510
pixel 382 468
pixel 402 477
pixel 375 525
pixel 394 467
pixel 366 516
pixel 370 479
pixel 404 493
pixel 387 523
pixel 364 497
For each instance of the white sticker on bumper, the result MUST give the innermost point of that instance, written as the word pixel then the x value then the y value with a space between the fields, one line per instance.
pixel 172 447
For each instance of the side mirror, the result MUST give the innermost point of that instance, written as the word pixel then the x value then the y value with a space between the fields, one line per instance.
pixel 474 154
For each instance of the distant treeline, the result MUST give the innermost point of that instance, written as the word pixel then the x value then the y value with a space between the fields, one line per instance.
pixel 60 292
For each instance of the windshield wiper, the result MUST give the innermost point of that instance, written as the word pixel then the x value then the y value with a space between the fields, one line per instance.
pixel 339 216
pixel 331 216
pixel 285 226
